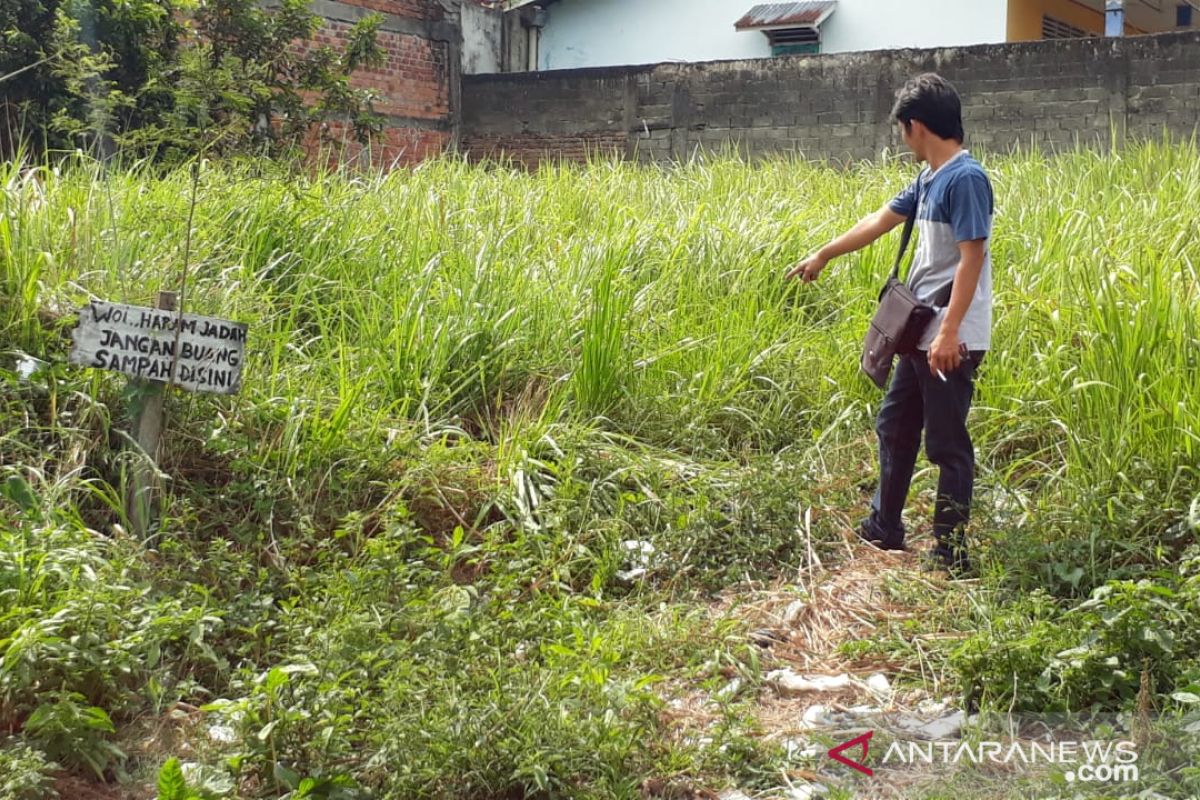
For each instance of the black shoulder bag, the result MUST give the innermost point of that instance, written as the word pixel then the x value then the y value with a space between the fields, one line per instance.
pixel 901 319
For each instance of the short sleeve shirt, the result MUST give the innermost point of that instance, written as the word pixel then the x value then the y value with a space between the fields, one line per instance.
pixel 955 205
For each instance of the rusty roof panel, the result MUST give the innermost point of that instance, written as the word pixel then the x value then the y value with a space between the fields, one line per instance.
pixel 770 15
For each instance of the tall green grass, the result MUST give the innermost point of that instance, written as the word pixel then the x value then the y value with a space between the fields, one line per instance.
pixel 468 385
pixel 436 296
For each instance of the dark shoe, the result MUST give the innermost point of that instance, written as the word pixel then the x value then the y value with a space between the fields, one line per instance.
pixel 867 533
pixel 957 566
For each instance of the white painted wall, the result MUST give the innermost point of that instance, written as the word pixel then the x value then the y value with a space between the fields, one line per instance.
pixel 594 33
pixel 597 33
pixel 887 24
pixel 481 39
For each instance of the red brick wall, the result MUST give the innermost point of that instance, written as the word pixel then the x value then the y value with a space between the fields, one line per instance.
pixel 334 143
pixel 413 81
pixel 412 86
pixel 531 149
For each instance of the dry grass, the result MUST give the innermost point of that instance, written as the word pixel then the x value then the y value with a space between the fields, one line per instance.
pixel 864 596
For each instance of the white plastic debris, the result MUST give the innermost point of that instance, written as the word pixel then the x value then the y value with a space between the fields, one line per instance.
pixel 930 707
pixel 222 733
pixel 879 685
pixel 793 611
pixel 812 751
pixel 815 717
pixel 28 366
pixel 799 748
pixel 730 689
pixel 790 683
pixel 212 780
pixel 947 726
pixel 638 555
pixel 639 548
pixel 805 791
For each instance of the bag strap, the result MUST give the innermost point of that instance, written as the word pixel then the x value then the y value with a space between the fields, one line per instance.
pixel 906 236
pixel 943 296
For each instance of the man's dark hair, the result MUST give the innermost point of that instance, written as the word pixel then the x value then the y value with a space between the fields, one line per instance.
pixel 931 99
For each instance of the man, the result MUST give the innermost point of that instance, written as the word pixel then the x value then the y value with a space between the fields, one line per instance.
pixel 932 388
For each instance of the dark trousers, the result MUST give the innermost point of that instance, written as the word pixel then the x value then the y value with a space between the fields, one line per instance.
pixel 916 400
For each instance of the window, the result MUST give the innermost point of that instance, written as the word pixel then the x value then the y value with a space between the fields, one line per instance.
pixel 794 41
pixel 1057 29
pixel 1183 15
pixel 790 28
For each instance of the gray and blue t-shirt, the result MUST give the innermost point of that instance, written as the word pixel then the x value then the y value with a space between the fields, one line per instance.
pixel 956 205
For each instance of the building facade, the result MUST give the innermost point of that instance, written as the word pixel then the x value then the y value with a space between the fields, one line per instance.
pixel 436 89
pixel 567 34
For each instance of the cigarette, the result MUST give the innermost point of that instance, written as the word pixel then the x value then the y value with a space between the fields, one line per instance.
pixel 940 375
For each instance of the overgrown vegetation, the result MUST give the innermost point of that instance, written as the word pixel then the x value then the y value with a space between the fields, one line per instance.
pixel 165 79
pixel 393 564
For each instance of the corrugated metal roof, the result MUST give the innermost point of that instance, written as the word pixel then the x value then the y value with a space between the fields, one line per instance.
pixel 772 15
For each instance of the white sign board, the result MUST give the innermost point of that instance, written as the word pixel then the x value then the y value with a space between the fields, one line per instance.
pixel 201 354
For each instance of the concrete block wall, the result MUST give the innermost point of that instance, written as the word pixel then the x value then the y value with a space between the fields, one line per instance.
pixel 835 107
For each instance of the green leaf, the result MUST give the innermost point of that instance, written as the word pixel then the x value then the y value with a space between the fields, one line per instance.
pixel 17 490
pixel 171 783
pixel 97 719
pixel 299 669
pixel 265 732
pixel 286 775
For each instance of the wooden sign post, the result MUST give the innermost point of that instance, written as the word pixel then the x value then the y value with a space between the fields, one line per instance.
pixel 147 424
pixel 157 347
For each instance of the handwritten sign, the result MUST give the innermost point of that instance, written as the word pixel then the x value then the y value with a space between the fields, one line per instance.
pixel 201 354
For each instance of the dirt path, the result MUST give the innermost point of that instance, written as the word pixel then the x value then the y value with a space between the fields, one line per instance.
pixel 855 637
